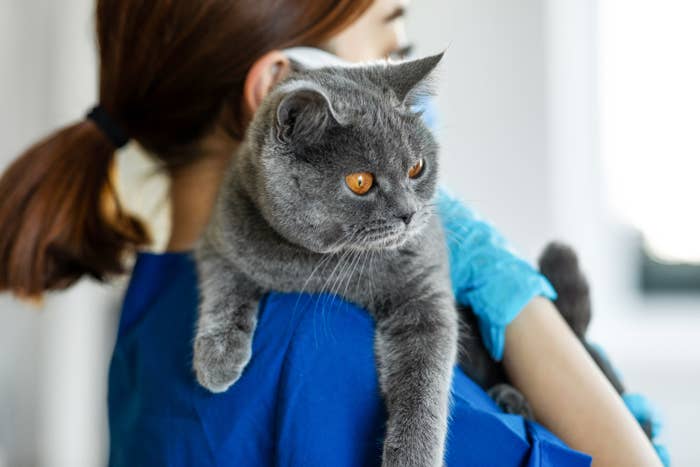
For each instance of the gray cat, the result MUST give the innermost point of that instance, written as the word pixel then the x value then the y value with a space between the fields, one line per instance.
pixel 558 263
pixel 332 191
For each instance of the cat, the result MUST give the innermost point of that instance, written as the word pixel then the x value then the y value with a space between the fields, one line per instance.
pixel 560 265
pixel 336 167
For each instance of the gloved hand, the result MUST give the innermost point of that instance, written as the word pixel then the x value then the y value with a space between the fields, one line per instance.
pixel 650 420
pixel 485 272
pixel 641 408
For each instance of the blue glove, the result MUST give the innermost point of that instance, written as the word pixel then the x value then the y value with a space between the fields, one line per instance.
pixel 646 414
pixel 486 274
pixel 642 410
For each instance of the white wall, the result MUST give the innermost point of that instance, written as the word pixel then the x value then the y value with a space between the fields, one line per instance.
pixel 23 94
pixel 493 103
pixel 53 363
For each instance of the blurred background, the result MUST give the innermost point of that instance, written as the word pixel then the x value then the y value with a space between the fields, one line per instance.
pixel 560 119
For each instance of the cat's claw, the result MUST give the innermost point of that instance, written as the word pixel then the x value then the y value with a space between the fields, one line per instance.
pixel 220 359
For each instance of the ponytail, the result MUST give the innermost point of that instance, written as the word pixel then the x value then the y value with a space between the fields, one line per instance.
pixel 168 76
pixel 60 218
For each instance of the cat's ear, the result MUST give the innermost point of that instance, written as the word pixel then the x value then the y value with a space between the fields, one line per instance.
pixel 304 114
pixel 411 78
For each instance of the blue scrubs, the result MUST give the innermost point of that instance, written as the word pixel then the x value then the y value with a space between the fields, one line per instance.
pixel 309 396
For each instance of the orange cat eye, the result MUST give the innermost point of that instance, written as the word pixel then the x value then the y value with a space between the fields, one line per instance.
pixel 417 168
pixel 360 182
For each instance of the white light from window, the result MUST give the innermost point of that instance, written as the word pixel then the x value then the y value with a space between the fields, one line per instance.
pixel 650 120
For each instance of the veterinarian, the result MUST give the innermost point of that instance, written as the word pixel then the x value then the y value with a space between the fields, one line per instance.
pixel 182 79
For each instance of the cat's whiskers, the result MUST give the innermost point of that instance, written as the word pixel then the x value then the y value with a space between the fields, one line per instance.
pixel 321 266
pixel 345 261
pixel 460 230
pixel 325 259
pixel 332 274
pixel 460 235
pixel 323 262
pixel 353 262
pixel 352 272
pixel 456 233
pixel 369 273
pixel 337 284
pixel 457 238
pixel 365 254
pixel 321 290
pixel 336 248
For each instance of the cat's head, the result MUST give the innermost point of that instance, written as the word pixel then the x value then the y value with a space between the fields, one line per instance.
pixel 342 160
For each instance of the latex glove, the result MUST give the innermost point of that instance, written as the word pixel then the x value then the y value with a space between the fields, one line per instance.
pixel 648 417
pixel 486 273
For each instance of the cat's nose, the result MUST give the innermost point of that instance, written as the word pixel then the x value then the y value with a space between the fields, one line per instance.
pixel 406 217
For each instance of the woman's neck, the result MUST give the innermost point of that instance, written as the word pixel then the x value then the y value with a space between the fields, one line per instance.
pixel 193 191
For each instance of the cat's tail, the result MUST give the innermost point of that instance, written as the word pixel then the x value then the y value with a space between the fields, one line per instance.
pixel 560 265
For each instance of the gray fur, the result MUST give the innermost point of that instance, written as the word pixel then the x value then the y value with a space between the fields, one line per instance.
pixel 558 263
pixel 286 221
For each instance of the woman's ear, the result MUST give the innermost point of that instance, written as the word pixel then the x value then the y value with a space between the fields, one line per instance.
pixel 265 73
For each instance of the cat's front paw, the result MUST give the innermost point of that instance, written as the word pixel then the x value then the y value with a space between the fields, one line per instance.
pixel 219 359
pixel 510 400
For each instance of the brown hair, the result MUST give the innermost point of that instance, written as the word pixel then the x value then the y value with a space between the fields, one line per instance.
pixel 170 71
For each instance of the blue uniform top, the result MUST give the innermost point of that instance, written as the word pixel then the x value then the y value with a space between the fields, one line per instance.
pixel 309 396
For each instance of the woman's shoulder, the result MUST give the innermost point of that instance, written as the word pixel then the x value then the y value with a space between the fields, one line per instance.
pixel 309 395
pixel 330 410
pixel 312 364
pixel 329 407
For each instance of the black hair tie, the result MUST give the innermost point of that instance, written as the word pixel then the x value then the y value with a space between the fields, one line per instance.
pixel 106 124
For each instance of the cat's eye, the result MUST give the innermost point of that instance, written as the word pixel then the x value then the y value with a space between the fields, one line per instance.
pixel 416 169
pixel 359 182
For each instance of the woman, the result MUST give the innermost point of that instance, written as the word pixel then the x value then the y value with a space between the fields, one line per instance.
pixel 182 79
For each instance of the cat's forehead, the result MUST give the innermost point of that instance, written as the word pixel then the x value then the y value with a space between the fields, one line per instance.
pixel 348 85
pixel 371 119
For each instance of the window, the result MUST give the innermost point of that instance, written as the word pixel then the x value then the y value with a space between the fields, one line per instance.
pixel 650 130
